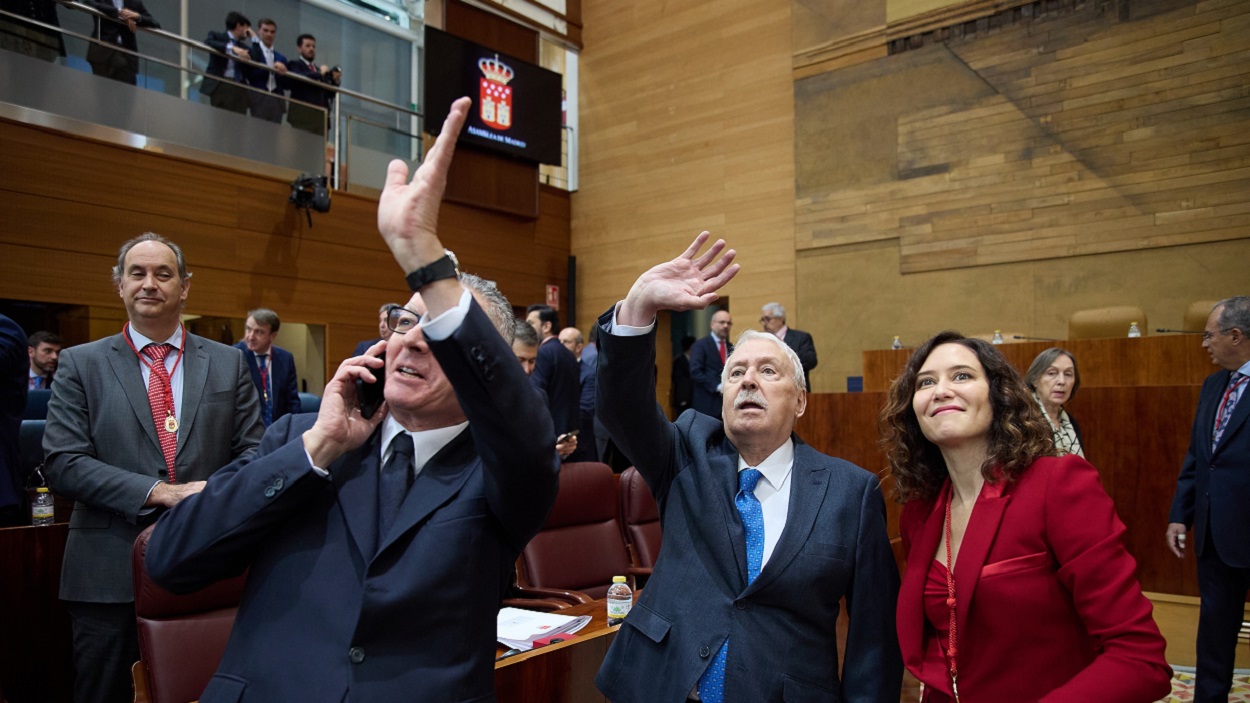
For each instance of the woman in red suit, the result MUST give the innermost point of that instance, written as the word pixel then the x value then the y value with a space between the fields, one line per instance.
pixel 1043 604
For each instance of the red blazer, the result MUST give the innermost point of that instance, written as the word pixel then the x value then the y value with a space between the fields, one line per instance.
pixel 1048 604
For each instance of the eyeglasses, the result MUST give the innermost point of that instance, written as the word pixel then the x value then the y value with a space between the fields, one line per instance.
pixel 766 319
pixel 1206 336
pixel 400 319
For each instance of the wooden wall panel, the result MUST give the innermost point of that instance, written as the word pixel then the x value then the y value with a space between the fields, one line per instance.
pixel 1100 136
pixel 1136 437
pixel 686 125
pixel 1170 360
pixel 70 203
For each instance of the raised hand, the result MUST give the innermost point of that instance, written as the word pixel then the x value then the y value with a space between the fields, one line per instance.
pixel 408 211
pixel 688 282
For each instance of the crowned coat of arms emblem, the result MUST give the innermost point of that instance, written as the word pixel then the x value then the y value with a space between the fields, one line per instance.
pixel 495 98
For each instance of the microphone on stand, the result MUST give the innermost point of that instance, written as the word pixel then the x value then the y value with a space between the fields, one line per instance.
pixel 1162 330
pixel 1034 339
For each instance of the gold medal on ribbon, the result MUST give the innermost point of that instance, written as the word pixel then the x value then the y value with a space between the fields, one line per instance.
pixel 171 424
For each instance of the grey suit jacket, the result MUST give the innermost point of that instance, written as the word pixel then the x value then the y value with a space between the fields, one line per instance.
pixel 103 452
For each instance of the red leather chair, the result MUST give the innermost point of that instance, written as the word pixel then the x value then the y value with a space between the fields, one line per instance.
pixel 181 638
pixel 640 517
pixel 580 547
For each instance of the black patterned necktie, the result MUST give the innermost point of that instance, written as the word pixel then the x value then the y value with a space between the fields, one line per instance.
pixel 395 480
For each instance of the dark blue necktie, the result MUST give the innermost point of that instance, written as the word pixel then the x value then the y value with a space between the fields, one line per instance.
pixel 712 683
pixel 395 481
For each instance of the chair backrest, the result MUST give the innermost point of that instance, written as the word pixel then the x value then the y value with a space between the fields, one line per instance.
pixel 641 518
pixel 30 445
pixel 37 403
pixel 181 638
pixel 309 402
pixel 1196 315
pixel 1106 322
pixel 580 547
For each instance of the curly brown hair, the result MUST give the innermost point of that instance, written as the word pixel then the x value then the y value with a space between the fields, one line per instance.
pixel 1018 433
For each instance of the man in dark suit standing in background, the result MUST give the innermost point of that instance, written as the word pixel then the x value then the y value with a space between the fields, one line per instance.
pixel 136 423
pixel 556 372
pixel 272 368
pixel 268 105
pixel 44 350
pixel 305 66
pixel 681 388
pixel 773 318
pixel 383 330
pixel 1213 496
pixel 763 535
pixel 380 548
pixel 119 32
pixel 226 91
pixel 707 360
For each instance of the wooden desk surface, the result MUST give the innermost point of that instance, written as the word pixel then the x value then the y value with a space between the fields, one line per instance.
pixel 562 672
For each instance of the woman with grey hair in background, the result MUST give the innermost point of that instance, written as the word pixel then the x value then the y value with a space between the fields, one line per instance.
pixel 1054 378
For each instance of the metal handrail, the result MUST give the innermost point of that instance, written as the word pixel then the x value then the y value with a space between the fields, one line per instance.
pixel 347 139
pixel 201 46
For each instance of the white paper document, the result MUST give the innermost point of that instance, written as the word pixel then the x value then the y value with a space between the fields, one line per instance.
pixel 518 628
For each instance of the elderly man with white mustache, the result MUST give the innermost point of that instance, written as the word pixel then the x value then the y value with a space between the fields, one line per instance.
pixel 763 535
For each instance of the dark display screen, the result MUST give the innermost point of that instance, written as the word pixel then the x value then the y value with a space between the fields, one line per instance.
pixel 516 105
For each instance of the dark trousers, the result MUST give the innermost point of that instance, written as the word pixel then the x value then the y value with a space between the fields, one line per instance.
pixel 266 107
pixel 1222 589
pixel 307 118
pixel 106 646
pixel 229 96
pixel 113 64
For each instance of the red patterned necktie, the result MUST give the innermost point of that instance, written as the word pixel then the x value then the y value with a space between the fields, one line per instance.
pixel 720 346
pixel 160 397
pixel 1225 412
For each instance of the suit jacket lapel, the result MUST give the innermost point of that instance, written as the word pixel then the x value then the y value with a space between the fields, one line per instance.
pixel 911 617
pixel 808 486
pixel 724 528
pixel 195 363
pixel 356 478
pixel 125 366
pixel 987 515
pixel 440 480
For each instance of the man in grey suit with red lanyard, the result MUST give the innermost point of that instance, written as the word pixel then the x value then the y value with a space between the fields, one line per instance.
pixel 1213 496
pixel 763 535
pixel 136 423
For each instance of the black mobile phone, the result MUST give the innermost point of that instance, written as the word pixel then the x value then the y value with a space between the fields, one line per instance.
pixel 566 436
pixel 369 396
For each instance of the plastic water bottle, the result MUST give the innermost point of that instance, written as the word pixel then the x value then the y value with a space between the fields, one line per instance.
pixel 1133 330
pixel 620 600
pixel 997 338
pixel 897 344
pixel 42 510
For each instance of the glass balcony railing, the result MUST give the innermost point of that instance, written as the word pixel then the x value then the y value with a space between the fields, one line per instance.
pixel 167 108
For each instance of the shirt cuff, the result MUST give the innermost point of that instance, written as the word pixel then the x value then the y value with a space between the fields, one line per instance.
pixel 626 330
pixel 148 510
pixel 316 469
pixel 446 324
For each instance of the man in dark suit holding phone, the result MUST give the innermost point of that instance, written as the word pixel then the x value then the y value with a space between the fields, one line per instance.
pixel 763 535
pixel 379 548
pixel 1212 494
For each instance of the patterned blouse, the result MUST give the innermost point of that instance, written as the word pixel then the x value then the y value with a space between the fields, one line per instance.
pixel 1066 441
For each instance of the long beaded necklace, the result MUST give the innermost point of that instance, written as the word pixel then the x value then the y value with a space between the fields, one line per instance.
pixel 951 637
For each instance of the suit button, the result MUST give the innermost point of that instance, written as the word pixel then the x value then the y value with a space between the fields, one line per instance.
pixel 278 483
pixel 270 492
pixel 740 605
pixel 356 654
pixel 704 652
